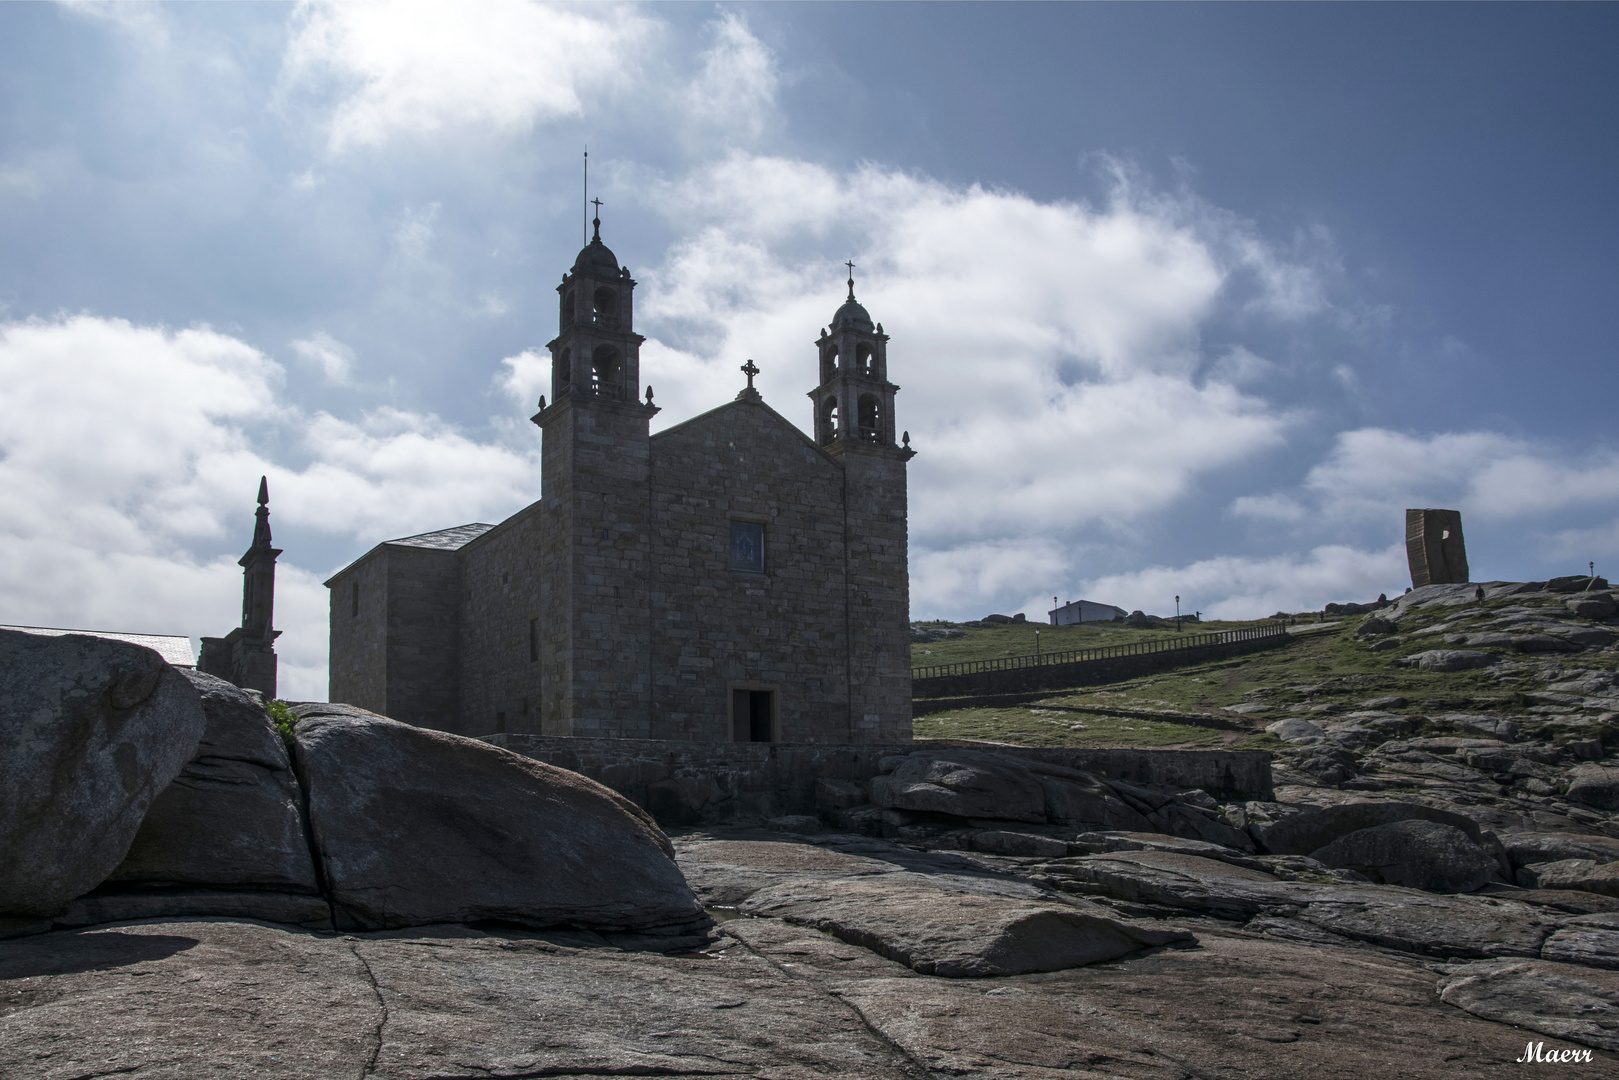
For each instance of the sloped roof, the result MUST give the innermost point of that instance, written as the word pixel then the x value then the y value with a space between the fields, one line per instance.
pixel 445 539
pixel 175 650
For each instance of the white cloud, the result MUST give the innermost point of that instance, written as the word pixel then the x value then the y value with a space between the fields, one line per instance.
pixel 1375 473
pixel 130 454
pixel 1046 350
pixel 335 359
pixel 527 376
pixel 1233 587
pixel 1240 366
pixel 962 580
pixel 1269 508
pixel 414 233
pixel 734 94
pixel 414 67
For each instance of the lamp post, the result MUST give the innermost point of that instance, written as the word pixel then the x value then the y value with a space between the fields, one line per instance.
pixel 1177 614
pixel 1037 644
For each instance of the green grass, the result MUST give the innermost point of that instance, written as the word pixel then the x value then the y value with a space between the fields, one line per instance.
pixel 283 719
pixel 1326 667
pixel 1034 726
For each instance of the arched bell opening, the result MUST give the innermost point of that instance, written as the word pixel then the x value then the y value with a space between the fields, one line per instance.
pixel 869 415
pixel 828 425
pixel 864 359
pixel 605 370
pixel 567 308
pixel 829 365
pixel 562 371
pixel 604 307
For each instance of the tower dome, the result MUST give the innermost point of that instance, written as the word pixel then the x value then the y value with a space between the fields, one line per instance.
pixel 853 314
pixel 596 258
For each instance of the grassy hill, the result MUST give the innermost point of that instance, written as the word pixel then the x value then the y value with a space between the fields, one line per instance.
pixel 1326 670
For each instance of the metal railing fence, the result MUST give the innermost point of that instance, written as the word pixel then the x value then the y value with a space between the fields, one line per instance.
pixel 1106 652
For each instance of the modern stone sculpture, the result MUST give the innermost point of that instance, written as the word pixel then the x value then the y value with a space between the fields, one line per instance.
pixel 1434 547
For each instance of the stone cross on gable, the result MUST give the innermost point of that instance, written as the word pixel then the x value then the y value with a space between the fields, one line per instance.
pixel 750 369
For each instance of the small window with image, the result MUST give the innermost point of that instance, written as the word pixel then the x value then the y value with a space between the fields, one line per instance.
pixel 747 546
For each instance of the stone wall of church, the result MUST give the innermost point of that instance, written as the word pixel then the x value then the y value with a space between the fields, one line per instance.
pixel 715 627
pixel 879 593
pixel 500 608
pixel 594 552
pixel 358 629
pixel 423 602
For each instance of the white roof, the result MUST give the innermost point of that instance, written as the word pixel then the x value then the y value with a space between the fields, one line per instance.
pixel 175 650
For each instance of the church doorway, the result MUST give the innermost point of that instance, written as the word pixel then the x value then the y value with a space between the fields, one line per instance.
pixel 753 714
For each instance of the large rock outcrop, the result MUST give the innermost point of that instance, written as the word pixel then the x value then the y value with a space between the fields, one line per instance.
pixel 1415 853
pixel 958 932
pixel 962 785
pixel 234 815
pixel 91 731
pixel 413 826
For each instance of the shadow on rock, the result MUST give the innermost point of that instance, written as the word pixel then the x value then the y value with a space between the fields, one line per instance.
pixel 69 952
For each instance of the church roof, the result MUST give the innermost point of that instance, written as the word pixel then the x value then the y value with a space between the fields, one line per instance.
pixel 172 648
pixel 445 539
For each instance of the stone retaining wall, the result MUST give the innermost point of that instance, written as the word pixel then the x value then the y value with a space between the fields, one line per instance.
pixel 685 783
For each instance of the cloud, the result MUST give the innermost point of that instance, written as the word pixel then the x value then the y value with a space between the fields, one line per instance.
pixel 1373 473
pixel 335 359
pixel 734 93
pixel 1269 508
pixel 129 456
pixel 527 376
pixel 1235 587
pixel 1046 350
pixel 409 68
pixel 965 579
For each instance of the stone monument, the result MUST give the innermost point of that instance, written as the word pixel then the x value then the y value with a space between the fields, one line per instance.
pixel 1434 547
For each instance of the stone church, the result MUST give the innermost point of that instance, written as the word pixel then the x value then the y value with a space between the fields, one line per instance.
pixel 726 579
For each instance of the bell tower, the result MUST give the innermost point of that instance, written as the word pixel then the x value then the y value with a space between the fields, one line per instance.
pixel 594 611
pixel 855 401
pixel 854 424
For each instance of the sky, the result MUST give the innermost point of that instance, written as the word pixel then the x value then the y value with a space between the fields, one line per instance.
pixel 1185 300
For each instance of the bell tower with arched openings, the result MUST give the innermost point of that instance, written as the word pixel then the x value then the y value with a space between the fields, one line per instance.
pixel 854 425
pixel 855 400
pixel 595 463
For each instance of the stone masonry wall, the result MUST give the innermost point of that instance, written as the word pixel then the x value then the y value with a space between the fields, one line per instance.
pixel 359 658
pixel 716 628
pixel 594 551
pixel 500 594
pixel 879 593
pixel 424 600
pixel 684 783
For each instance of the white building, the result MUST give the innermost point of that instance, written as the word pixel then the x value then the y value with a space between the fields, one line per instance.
pixel 1084 611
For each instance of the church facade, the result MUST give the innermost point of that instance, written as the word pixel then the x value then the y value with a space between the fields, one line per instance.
pixel 727 579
